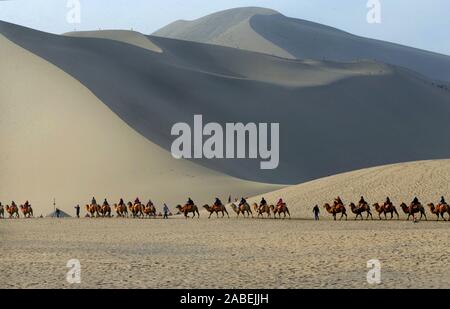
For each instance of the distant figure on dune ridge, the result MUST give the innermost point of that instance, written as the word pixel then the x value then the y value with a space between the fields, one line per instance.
pixel 57 212
pixel 316 212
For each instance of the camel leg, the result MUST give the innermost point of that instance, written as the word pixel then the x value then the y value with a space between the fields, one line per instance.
pixel 227 214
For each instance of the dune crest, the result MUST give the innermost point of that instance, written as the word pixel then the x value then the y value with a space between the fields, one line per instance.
pixel 125 36
pixel 272 33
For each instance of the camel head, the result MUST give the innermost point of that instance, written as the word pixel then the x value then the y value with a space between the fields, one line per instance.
pixel 432 207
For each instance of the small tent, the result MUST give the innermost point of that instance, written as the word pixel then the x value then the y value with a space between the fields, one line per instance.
pixel 62 214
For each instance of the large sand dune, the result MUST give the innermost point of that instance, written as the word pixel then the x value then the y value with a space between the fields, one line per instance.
pixel 59 141
pixel 334 117
pixel 428 180
pixel 270 32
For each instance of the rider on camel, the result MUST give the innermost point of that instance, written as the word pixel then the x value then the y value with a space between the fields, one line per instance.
pixel 217 202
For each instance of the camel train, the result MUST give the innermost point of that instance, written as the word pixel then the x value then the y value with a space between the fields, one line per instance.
pixel 13 210
pixel 387 208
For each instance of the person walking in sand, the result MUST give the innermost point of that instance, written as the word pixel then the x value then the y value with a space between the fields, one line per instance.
pixel 316 212
pixel 77 211
pixel 166 211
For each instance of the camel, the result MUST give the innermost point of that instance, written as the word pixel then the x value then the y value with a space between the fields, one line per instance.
pixel 121 210
pixel 27 211
pixel 216 209
pixel 385 209
pixel 137 210
pixel 410 211
pixel 2 212
pixel 186 209
pixel 242 209
pixel 280 209
pixel 261 210
pixel 93 210
pixel 13 211
pixel 149 210
pixel 336 209
pixel 439 210
pixel 358 211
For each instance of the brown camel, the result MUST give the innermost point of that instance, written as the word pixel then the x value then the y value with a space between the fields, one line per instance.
pixel 439 210
pixel 121 210
pixel 411 211
pixel 358 211
pixel 336 209
pixel 2 211
pixel 261 210
pixel 186 209
pixel 216 209
pixel 13 211
pixel 280 209
pixel 149 210
pixel 242 209
pixel 93 210
pixel 27 211
pixel 386 208
pixel 137 209
pixel 104 210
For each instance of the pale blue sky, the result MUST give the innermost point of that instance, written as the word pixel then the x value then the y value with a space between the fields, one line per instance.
pixel 419 23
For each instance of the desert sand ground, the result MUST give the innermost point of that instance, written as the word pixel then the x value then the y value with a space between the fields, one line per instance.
pixel 229 253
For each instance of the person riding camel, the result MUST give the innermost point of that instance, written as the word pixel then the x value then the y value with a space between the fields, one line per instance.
pixel 190 202
pixel 217 202
pixel 388 202
pixel 105 203
pixel 338 201
pixel 94 201
pixel 150 203
pixel 13 204
pixel 362 201
pixel 263 202
pixel 443 202
pixel 280 203
pixel 243 201
pixel 415 202
pixel 121 202
pixel 137 201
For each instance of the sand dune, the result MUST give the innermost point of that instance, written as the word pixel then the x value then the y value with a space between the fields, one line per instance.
pixel 428 180
pixel 59 141
pixel 270 32
pixel 334 117
pixel 129 37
